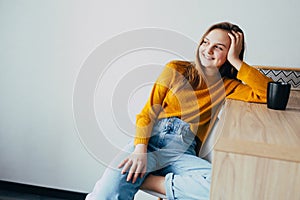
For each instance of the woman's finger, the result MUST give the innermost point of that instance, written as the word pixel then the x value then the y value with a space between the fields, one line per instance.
pixel 238 37
pixel 236 34
pixel 126 166
pixel 138 171
pixel 232 37
pixel 123 163
pixel 131 172
pixel 143 172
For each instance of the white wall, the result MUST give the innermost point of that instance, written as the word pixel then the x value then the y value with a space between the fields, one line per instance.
pixel 44 45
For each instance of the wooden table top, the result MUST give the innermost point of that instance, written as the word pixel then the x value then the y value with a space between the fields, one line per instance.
pixel 255 130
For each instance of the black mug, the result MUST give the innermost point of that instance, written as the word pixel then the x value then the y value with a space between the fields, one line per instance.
pixel 278 95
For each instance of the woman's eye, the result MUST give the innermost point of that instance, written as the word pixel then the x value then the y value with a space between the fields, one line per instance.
pixel 220 48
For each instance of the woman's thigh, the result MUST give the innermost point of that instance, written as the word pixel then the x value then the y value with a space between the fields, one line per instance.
pixel 190 164
pixel 171 139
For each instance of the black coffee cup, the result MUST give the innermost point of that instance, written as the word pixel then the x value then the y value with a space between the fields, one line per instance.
pixel 278 95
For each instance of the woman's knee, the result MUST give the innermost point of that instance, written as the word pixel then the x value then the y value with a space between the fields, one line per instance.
pixel 187 186
pixel 113 186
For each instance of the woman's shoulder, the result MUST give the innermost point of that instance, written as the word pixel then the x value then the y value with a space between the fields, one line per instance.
pixel 179 64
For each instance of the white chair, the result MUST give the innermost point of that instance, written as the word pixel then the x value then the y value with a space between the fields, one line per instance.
pixel 160 196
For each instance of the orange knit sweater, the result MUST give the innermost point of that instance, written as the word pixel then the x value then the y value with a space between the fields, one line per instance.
pixel 172 96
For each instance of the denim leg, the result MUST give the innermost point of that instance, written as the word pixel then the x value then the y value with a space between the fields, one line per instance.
pixel 170 151
pixel 113 184
pixel 187 176
pixel 190 178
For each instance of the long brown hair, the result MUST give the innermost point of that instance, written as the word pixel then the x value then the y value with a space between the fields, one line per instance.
pixel 226 70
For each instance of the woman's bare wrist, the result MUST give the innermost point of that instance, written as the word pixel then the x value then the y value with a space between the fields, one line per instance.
pixel 141 148
pixel 236 63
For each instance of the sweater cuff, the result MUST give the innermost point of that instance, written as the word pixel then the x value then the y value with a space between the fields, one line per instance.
pixel 141 141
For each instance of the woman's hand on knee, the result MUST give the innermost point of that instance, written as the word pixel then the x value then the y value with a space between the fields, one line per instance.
pixel 136 163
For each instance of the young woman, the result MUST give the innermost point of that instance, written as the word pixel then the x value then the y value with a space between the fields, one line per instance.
pixel 175 120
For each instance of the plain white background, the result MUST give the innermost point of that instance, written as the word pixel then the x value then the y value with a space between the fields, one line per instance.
pixel 43 45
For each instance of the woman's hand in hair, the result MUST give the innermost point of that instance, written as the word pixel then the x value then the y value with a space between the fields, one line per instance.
pixel 235 49
pixel 136 163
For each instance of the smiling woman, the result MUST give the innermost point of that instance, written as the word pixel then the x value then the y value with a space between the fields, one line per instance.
pixel 214 49
pixel 176 118
pixel 215 46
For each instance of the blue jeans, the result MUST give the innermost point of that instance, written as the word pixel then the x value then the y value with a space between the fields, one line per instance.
pixel 171 153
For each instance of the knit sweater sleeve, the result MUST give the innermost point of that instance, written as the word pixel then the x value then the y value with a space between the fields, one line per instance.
pixel 147 117
pixel 253 87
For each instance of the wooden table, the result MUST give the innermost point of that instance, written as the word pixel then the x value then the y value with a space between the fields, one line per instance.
pixel 257 155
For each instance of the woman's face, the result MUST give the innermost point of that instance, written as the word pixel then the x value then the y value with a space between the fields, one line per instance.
pixel 213 51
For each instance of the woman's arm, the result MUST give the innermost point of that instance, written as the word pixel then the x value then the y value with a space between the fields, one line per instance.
pixel 254 84
pixel 235 48
pixel 147 117
pixel 136 163
pixel 253 87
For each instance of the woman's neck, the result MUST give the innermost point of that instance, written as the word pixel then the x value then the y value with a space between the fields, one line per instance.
pixel 212 75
